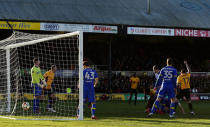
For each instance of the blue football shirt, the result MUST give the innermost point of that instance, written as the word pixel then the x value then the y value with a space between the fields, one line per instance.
pixel 167 77
pixel 89 76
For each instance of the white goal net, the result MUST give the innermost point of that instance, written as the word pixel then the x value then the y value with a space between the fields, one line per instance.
pixel 61 98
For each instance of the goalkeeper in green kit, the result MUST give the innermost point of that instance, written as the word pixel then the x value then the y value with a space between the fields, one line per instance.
pixel 37 77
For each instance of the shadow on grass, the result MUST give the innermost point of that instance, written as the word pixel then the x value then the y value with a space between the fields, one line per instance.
pixel 162 116
pixel 174 121
pixel 151 121
pixel 125 110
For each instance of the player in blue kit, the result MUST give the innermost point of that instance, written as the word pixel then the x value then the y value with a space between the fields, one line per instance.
pixel 90 81
pixel 167 79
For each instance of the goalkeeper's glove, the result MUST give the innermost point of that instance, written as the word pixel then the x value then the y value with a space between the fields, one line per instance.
pixel 40 85
pixel 44 82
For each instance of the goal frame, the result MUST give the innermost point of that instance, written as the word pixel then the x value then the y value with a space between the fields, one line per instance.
pixel 80 59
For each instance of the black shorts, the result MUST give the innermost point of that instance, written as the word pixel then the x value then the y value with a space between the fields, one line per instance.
pixel 133 90
pixel 184 93
pixel 48 91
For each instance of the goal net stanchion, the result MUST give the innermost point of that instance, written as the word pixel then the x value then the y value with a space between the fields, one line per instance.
pixel 17 53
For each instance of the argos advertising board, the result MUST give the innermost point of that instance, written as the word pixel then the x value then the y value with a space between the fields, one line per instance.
pixel 79 27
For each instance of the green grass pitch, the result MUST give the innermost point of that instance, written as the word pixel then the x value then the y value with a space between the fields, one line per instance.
pixel 121 114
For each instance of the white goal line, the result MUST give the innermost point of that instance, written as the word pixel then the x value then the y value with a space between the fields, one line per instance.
pixel 11 118
pixel 8 117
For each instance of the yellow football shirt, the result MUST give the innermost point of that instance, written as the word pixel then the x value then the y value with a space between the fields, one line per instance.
pixel 134 82
pixel 36 75
pixel 184 81
pixel 49 76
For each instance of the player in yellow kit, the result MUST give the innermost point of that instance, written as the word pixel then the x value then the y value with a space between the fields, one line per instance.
pixel 134 80
pixel 183 83
pixel 49 77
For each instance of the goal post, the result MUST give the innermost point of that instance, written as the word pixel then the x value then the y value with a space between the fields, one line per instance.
pixel 81 78
pixel 8 81
pixel 63 50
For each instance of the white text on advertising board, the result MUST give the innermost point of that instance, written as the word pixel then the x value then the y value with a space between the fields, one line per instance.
pixel 51 26
pixel 150 31
pixel 192 33
pixel 104 29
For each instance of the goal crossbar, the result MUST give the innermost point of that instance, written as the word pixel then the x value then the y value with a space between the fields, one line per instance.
pixel 41 40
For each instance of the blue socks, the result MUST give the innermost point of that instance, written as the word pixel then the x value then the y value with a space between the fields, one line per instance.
pixel 163 107
pixel 172 108
pixel 36 105
pixel 93 109
pixel 155 106
pixel 50 101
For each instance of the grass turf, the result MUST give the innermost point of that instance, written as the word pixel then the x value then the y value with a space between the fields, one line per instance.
pixel 121 114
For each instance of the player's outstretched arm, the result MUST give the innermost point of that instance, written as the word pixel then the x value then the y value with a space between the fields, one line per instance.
pixel 178 83
pixel 187 66
pixel 78 85
pixel 96 82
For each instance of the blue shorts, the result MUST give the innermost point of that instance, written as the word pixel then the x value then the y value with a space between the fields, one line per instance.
pixel 89 94
pixel 37 90
pixel 166 91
